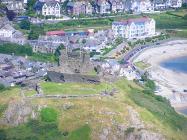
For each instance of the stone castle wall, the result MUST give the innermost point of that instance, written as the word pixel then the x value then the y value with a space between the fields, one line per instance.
pixel 65 77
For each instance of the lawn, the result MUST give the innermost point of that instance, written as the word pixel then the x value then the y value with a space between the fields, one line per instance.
pixel 170 20
pixel 81 133
pixel 167 21
pixel 177 33
pixel 142 65
pixel 29 93
pixel 9 94
pixel 48 115
pixel 77 119
pixel 43 57
pixel 83 24
pixel 180 13
pixel 45 129
pixel 159 109
pixel 154 110
pixel 51 88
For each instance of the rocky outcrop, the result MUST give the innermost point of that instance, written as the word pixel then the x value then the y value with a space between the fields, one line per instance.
pixel 135 130
pixel 18 112
pixel 143 135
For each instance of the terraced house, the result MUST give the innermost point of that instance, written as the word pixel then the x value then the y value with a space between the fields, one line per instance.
pixel 134 28
pixel 17 6
pixel 79 7
pixel 103 6
pixel 116 5
pixel 51 8
pixel 175 3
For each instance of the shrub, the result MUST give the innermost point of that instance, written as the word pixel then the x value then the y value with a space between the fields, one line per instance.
pixel 3 135
pixel 65 133
pixel 9 48
pixel 48 115
pixel 148 91
pixel 2 87
pixel 129 130
pixel 150 84
pixel 24 24
pixel 185 16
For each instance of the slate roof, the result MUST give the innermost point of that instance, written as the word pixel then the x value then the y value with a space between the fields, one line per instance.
pixel 38 6
pixel 135 20
pixel 159 1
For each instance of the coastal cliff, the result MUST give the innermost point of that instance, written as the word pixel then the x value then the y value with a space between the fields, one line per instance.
pixel 130 114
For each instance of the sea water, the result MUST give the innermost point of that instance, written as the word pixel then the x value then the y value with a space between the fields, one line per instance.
pixel 176 64
pixel 183 111
pixel 179 65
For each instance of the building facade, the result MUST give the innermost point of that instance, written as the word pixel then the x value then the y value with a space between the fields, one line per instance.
pixel 116 6
pixel 51 9
pixel 6 31
pixel 103 7
pixel 79 7
pixel 134 28
pixel 175 3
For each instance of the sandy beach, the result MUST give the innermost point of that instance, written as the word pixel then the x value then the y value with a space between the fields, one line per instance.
pixel 168 80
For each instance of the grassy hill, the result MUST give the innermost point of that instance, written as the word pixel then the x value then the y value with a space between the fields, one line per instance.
pixel 90 118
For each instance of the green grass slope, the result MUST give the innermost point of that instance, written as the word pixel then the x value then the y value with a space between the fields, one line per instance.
pixel 77 119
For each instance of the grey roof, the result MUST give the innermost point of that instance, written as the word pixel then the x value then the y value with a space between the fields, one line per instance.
pixel 51 3
pixel 159 1
pixel 70 4
pixel 8 27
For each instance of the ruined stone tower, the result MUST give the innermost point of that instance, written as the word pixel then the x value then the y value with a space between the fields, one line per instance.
pixel 75 61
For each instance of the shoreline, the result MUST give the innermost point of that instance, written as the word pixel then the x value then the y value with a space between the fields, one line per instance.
pixel 171 83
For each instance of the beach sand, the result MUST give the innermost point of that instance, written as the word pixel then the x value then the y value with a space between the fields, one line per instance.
pixel 166 79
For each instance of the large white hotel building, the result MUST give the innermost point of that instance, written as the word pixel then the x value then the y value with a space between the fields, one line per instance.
pixel 134 28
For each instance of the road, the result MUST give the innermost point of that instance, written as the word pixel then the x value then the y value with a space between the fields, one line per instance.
pixel 113 52
pixel 128 58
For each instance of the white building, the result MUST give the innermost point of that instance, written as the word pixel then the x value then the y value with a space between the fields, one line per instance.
pixel 51 9
pixel 141 6
pixel 174 3
pixel 103 6
pixel 6 31
pixel 134 28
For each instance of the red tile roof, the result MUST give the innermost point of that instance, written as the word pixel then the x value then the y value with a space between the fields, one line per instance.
pixel 143 19
pixel 60 32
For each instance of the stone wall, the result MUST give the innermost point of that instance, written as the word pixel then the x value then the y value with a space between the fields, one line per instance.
pixel 65 77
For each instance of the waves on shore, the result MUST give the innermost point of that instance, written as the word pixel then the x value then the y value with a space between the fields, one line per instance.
pixel 169 70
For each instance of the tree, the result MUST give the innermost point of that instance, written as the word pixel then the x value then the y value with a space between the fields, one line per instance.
pixel 83 41
pixel 36 31
pixel 150 84
pixel 30 4
pixel 10 14
pixel 25 24
pixel 185 16
pixel 33 35
pixel 118 40
pixel 2 87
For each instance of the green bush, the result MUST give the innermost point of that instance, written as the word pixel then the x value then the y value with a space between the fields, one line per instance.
pixel 129 130
pixel 150 84
pixel 148 91
pixel 185 16
pixel 48 115
pixel 9 48
pixel 24 24
pixel 35 32
pixel 2 87
pixel 160 108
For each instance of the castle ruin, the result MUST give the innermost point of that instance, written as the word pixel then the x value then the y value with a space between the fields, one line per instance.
pixel 74 66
